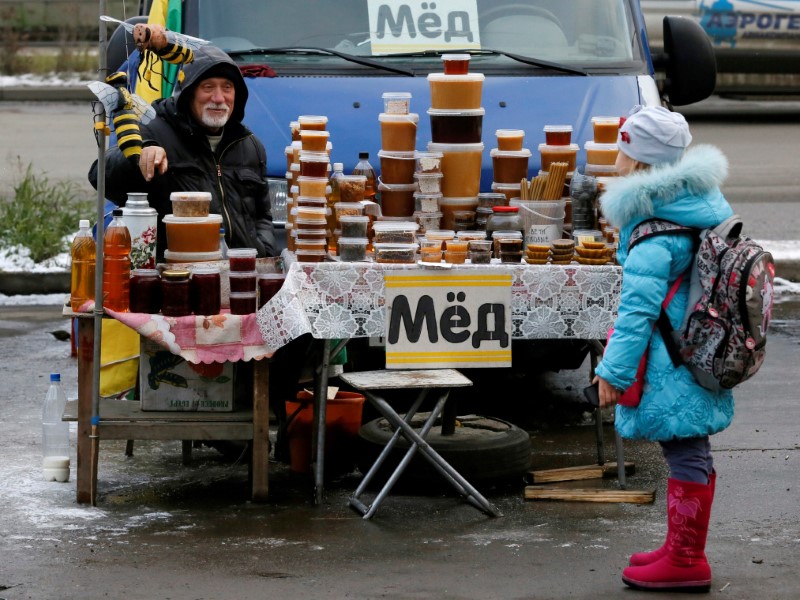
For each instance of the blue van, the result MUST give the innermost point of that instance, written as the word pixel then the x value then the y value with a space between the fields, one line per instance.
pixel 545 62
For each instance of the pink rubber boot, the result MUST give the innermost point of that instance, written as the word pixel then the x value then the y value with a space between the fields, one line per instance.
pixel 641 559
pixel 683 565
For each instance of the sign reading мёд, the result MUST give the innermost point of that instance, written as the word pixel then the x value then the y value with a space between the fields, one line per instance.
pixel 448 318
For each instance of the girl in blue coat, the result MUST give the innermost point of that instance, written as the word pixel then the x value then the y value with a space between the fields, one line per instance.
pixel 662 179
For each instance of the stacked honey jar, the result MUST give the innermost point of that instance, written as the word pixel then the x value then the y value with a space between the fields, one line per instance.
pixel 398 143
pixel 509 162
pixel 601 152
pixel 192 233
pixel 456 118
pixel 307 222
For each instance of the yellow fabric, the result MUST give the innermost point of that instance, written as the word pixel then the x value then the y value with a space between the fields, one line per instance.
pixel 119 358
pixel 157 16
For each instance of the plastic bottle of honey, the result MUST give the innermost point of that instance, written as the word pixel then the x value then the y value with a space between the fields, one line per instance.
pixel 364 168
pixel 83 257
pixel 117 264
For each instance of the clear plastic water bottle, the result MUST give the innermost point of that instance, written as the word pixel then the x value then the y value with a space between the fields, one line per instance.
pixel 55 433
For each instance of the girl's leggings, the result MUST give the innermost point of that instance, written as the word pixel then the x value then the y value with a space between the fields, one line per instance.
pixel 689 459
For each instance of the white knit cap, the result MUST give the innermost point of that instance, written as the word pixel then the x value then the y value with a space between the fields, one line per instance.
pixel 654 135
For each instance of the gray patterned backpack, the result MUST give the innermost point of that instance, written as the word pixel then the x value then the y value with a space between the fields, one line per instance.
pixel 723 337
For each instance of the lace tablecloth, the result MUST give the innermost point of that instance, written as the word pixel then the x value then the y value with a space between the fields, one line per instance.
pixel 198 339
pixel 342 300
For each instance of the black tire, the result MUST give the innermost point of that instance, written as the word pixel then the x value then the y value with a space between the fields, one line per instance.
pixel 482 449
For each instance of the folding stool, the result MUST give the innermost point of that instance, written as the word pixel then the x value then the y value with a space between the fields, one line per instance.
pixel 443 380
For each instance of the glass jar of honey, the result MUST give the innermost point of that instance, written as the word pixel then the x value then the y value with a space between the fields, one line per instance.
pixel 176 293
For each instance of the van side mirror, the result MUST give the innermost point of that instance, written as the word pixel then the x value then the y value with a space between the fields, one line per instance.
pixel 688 60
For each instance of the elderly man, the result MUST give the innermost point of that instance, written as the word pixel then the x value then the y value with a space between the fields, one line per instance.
pixel 197 142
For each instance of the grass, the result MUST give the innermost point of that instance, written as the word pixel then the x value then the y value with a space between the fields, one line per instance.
pixel 60 60
pixel 40 213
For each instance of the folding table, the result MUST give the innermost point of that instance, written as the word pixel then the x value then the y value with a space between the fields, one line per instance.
pixel 371 383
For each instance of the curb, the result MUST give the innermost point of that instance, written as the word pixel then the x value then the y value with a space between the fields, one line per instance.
pixel 79 93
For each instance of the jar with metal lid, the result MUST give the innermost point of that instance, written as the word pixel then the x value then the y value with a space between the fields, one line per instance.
pixel 504 218
pixel 176 293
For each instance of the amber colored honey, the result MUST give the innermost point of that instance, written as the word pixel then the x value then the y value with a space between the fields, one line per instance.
pixel 399 135
pixel 462 174
pixel 193 237
pixel 605 132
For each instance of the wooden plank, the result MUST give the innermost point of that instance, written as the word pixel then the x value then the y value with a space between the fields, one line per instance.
pixel 578 473
pixel 127 410
pixel 260 429
pixel 143 430
pixel 589 495
pixel 86 475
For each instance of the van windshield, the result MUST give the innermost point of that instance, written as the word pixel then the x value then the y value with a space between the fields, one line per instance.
pixel 591 35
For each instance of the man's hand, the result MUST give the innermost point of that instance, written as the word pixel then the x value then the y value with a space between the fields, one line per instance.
pixel 152 160
pixel 609 395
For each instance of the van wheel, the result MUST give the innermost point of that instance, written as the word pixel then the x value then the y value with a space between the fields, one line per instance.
pixel 481 449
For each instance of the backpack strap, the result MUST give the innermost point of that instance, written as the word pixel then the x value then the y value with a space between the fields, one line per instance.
pixel 730 228
pixel 653 227
pixel 665 327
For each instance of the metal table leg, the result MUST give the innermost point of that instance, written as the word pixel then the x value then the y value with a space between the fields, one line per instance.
pixel 320 420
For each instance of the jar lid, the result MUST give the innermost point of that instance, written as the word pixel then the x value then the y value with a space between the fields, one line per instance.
pixel 396 95
pixel 176 274
pixel 353 241
pixel 505 209
pixel 205 270
pixel 187 220
pixel 506 234
pixel 592 145
pixel 397 154
pixel 242 274
pixel 438 77
pixel 456 112
pixel 557 128
pixel 242 252
pixel 187 195
pixel 398 118
pixel 144 273
pixel 524 153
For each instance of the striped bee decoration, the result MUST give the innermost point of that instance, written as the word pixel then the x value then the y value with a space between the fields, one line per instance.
pixel 129 138
pixel 176 54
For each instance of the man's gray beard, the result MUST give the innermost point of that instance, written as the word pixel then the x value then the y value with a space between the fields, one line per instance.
pixel 214 122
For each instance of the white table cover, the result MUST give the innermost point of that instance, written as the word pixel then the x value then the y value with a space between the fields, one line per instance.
pixel 343 300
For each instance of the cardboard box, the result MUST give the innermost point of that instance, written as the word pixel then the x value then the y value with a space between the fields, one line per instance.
pixel 168 382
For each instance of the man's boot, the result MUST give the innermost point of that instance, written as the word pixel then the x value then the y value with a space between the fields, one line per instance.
pixel 640 559
pixel 683 566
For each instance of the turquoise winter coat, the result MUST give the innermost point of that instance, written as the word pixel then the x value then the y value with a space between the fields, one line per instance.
pixel 686 192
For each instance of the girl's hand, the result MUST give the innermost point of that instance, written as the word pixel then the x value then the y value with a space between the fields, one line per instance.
pixel 608 393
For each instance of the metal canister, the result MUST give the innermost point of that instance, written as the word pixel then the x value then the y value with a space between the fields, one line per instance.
pixel 141 220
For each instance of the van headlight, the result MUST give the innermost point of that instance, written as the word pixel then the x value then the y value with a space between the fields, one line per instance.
pixel 278 193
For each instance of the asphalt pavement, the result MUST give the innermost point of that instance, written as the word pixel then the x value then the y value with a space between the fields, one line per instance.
pixel 162 530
